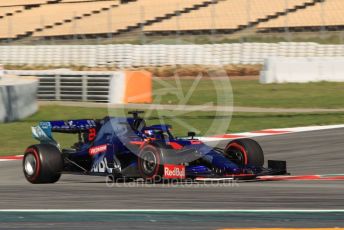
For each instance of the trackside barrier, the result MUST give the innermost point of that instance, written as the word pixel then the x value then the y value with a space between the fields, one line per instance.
pixel 18 97
pixel 131 87
pixel 125 55
pixel 301 70
pixel 1 71
pixel 118 87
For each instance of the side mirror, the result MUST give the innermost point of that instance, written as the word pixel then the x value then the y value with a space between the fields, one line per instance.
pixel 191 134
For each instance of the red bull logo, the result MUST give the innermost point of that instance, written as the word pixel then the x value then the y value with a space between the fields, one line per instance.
pixel 174 171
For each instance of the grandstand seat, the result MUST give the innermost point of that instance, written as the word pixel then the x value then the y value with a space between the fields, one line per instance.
pixel 9 10
pixel 21 2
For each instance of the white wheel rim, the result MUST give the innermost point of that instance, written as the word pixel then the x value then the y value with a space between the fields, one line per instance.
pixel 30 164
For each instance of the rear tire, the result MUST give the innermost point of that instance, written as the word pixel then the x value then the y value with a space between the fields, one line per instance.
pixel 245 152
pixel 42 164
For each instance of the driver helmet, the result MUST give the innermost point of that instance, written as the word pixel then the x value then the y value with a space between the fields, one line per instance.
pixel 149 133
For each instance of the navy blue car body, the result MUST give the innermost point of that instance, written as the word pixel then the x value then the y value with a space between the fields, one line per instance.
pixel 125 147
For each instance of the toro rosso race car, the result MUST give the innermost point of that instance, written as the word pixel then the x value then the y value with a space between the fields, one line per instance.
pixel 125 147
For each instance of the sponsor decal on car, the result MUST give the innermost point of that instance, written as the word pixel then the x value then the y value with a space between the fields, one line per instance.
pixel 97 149
pixel 92 133
pixel 101 166
pixel 174 171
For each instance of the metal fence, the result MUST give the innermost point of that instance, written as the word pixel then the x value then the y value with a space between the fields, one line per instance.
pixel 70 85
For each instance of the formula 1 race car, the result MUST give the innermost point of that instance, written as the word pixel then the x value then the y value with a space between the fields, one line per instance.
pixel 125 147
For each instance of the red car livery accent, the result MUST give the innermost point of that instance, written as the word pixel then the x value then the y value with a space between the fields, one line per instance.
pixel 97 149
pixel 175 145
pixel 92 134
pixel 174 171
pixel 195 142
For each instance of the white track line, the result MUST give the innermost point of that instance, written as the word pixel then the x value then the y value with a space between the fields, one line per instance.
pixel 270 132
pixel 179 210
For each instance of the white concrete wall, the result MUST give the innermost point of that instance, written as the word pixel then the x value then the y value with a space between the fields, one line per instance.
pixel 301 70
pixel 18 98
pixel 1 71
pixel 117 88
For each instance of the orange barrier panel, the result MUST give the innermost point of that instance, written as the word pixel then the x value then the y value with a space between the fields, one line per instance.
pixel 138 87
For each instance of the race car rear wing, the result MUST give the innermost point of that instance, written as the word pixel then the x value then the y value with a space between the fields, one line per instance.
pixel 43 132
pixel 70 126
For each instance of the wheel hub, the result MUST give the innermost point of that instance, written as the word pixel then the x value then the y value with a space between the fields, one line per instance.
pixel 236 156
pixel 149 162
pixel 30 164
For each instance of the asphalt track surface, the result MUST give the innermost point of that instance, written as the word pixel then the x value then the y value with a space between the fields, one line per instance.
pixel 318 152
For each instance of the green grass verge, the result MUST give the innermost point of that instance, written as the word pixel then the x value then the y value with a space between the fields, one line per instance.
pixel 15 137
pixel 252 93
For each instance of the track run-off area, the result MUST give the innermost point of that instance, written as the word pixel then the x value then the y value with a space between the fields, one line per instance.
pixel 261 204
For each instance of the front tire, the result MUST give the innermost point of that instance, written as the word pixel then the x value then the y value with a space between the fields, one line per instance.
pixel 150 163
pixel 245 152
pixel 42 164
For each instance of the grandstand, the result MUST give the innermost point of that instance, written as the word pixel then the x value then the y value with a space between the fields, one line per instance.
pixel 229 15
pixel 125 17
pixel 46 16
pixel 21 19
pixel 11 3
pixel 328 14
